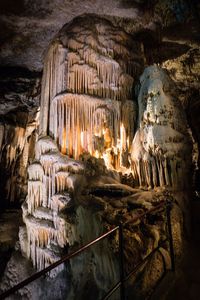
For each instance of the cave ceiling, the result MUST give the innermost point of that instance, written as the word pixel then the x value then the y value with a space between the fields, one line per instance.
pixel 28 26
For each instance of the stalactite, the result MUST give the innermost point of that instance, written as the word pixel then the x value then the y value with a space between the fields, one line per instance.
pixel 44 146
pixel 35 195
pixel 16 146
pixel 89 118
pixel 35 172
pixel 54 80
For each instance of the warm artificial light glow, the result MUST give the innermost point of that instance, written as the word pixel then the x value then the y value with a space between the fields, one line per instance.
pixel 87 124
pixel 64 145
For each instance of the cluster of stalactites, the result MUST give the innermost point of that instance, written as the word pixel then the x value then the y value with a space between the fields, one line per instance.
pixel 17 144
pixel 91 64
pixel 53 175
pixel 98 76
pixel 81 123
pixel 53 82
pixel 159 169
pixel 51 181
pixel 87 82
pixel 102 67
pixel 15 152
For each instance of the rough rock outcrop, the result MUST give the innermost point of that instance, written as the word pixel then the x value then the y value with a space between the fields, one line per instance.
pixel 19 101
pixel 29 26
pixel 185 71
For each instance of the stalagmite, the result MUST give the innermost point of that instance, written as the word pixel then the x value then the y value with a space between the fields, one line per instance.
pixel 160 144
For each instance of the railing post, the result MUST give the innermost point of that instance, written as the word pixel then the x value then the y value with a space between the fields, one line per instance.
pixel 169 229
pixel 121 262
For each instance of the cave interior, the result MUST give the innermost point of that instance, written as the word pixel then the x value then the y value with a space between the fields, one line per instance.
pixel 99 128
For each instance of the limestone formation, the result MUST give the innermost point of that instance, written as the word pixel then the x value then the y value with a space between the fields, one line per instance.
pixel 161 149
pixel 14 158
pixel 19 101
pixel 87 124
pixel 87 109
pixel 99 73
pixel 88 138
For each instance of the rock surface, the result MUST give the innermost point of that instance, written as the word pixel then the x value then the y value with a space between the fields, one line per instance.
pixel 19 101
pixel 161 149
pixel 29 26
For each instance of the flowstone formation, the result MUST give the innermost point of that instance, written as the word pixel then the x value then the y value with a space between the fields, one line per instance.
pixel 87 109
pixel 87 125
pixel 88 81
pixel 161 149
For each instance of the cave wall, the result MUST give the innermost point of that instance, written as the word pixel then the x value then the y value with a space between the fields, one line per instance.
pixel 29 26
pixel 19 101
pixel 185 71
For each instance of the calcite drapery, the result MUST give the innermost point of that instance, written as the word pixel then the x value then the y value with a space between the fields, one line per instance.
pixel 95 65
pixel 49 186
pixel 86 106
pixel 161 149
pixel 81 123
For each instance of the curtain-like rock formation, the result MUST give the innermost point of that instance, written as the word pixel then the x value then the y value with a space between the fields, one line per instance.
pixel 87 108
pixel 84 61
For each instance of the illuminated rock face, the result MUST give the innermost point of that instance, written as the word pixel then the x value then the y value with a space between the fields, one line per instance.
pixel 87 109
pixel 52 180
pixel 95 65
pixel 161 149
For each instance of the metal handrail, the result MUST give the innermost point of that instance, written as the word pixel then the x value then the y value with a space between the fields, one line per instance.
pixel 121 261
pixel 120 284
